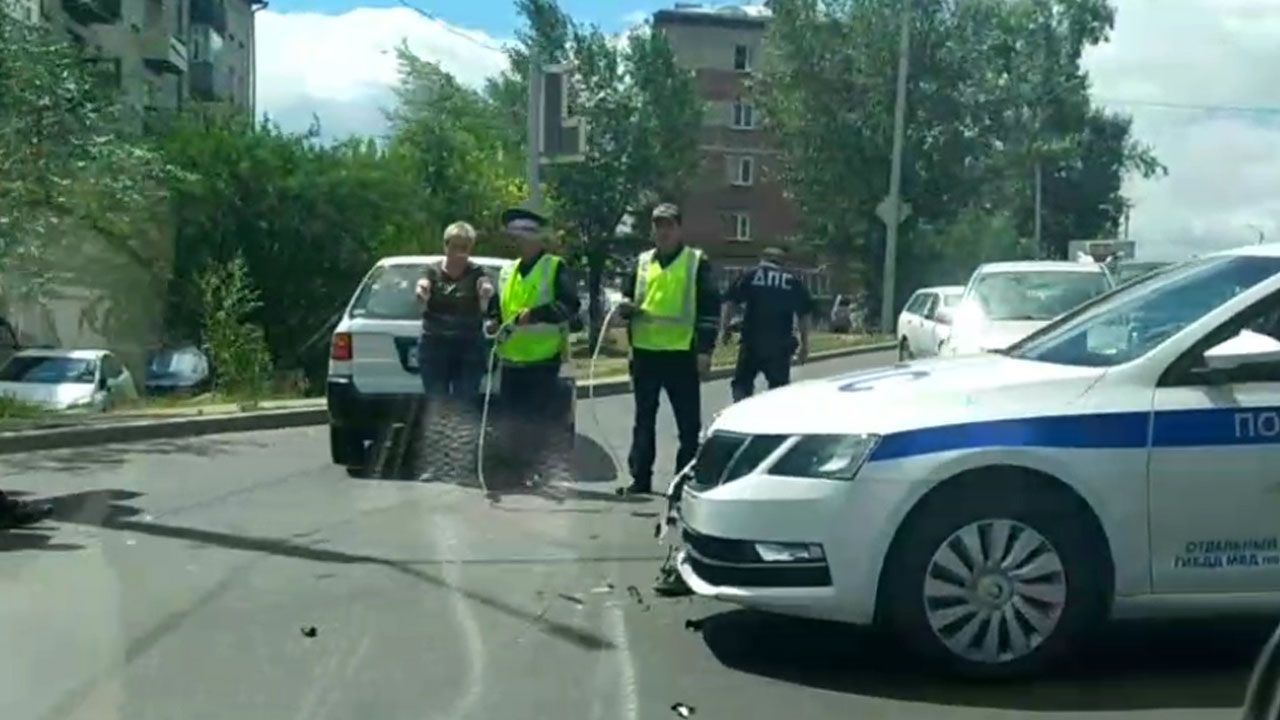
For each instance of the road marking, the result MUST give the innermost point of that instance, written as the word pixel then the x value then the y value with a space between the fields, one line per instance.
pixel 616 628
pixel 474 641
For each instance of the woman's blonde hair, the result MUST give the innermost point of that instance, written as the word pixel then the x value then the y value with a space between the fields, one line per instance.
pixel 461 231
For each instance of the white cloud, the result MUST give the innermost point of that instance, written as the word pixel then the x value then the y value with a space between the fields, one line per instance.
pixel 342 67
pixel 1224 166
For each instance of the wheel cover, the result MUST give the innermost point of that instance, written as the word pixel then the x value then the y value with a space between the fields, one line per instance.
pixel 994 591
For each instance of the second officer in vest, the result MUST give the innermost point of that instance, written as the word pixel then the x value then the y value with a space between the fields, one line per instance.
pixel 538 305
pixel 673 308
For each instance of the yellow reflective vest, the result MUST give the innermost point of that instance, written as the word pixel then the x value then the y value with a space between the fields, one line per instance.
pixel 536 342
pixel 667 300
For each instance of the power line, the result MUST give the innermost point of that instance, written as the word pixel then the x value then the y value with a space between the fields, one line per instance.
pixel 449 28
pixel 1194 107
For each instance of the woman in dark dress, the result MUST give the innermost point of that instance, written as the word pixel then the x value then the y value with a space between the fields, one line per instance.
pixel 455 295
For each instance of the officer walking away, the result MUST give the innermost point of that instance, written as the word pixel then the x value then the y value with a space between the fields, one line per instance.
pixel 673 310
pixel 538 304
pixel 775 302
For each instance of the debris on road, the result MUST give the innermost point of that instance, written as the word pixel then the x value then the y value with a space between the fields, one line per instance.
pixel 683 710
pixel 603 589
pixel 310 631
pixel 694 625
pixel 572 598
pixel 634 592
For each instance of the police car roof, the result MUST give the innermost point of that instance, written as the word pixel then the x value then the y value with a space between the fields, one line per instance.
pixel 1030 266
pixel 424 259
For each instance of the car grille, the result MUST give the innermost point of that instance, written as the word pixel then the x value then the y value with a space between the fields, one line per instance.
pixel 726 457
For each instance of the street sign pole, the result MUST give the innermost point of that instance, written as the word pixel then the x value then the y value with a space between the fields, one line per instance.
pixel 535 132
pixel 893 215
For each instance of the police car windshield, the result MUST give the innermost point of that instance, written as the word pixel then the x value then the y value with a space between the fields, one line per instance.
pixel 1038 295
pixel 1135 319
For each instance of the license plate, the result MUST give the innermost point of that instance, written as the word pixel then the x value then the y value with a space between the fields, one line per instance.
pixel 411 357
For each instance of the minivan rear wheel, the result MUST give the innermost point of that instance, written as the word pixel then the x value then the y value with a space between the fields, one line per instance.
pixel 346 447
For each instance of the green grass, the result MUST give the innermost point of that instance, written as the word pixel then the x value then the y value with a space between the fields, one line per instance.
pixel 613 356
pixel 13 409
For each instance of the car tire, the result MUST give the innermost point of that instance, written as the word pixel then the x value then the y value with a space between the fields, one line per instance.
pixel 946 618
pixel 904 351
pixel 346 447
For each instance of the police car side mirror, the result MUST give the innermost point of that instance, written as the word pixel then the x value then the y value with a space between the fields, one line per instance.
pixel 1247 348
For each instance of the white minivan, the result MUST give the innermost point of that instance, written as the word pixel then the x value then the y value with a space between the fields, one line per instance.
pixel 373 360
pixel 991 510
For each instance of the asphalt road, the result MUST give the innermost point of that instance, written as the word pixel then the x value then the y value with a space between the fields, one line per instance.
pixel 183 579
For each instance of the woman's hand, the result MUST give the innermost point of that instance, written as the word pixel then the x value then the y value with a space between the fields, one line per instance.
pixel 423 290
pixel 485 289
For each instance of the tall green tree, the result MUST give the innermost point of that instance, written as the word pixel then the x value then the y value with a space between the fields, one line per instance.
pixel 643 116
pixel 460 157
pixel 308 219
pixel 995 88
pixel 81 195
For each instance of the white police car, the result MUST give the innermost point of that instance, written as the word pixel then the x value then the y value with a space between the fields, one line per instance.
pixel 1122 461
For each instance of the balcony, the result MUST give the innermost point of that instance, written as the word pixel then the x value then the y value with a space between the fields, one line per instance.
pixel 93 12
pixel 211 13
pixel 206 84
pixel 164 53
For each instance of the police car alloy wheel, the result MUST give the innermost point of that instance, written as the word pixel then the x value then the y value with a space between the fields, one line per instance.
pixel 995 582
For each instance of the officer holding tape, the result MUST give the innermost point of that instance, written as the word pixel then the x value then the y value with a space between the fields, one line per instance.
pixel 538 304
pixel 673 308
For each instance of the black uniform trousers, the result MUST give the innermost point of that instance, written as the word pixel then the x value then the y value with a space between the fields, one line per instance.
pixel 652 372
pixel 776 366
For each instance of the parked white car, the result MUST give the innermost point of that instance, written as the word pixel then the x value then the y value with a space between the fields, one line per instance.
pixel 1006 301
pixel 991 510
pixel 91 380
pixel 919 332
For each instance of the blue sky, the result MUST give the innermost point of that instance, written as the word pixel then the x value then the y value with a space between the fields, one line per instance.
pixel 495 17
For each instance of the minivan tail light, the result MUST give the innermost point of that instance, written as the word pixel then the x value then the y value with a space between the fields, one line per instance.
pixel 341 349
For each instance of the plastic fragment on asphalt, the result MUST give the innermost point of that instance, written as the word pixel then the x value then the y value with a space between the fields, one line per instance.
pixel 310 631
pixel 572 598
pixel 683 710
pixel 603 589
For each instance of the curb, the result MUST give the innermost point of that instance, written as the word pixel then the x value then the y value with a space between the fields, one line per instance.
pixel 126 432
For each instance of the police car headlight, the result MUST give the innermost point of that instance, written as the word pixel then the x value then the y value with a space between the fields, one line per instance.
pixel 828 457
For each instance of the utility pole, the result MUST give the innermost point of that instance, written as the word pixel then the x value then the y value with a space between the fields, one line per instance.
pixel 891 210
pixel 535 131
pixel 1039 204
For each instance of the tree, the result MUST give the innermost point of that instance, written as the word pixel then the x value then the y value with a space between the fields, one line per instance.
pixel 457 152
pixel 995 89
pixel 644 117
pixel 309 221
pixel 81 195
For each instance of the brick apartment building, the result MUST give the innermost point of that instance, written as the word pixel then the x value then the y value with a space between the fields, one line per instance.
pixel 737 206
pixel 164 53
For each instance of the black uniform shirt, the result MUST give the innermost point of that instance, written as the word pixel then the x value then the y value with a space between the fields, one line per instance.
pixel 773 296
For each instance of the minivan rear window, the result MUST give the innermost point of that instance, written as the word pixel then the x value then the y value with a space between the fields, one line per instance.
pixel 388 293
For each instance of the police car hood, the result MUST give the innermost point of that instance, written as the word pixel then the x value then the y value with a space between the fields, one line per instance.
pixel 913 395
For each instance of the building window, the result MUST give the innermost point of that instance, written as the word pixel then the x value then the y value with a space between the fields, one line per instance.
pixel 737 226
pixel 742 170
pixel 744 115
pixel 742 58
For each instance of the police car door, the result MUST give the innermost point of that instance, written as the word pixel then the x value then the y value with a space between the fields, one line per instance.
pixel 1215 466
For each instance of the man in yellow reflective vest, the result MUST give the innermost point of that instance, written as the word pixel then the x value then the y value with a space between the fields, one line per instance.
pixel 674 311
pixel 537 303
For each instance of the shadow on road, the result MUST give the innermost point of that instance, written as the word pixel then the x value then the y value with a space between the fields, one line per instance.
pixel 111 509
pixel 1134 666
pixel 97 457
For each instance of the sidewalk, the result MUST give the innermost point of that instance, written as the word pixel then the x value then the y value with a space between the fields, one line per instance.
pixel 79 430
